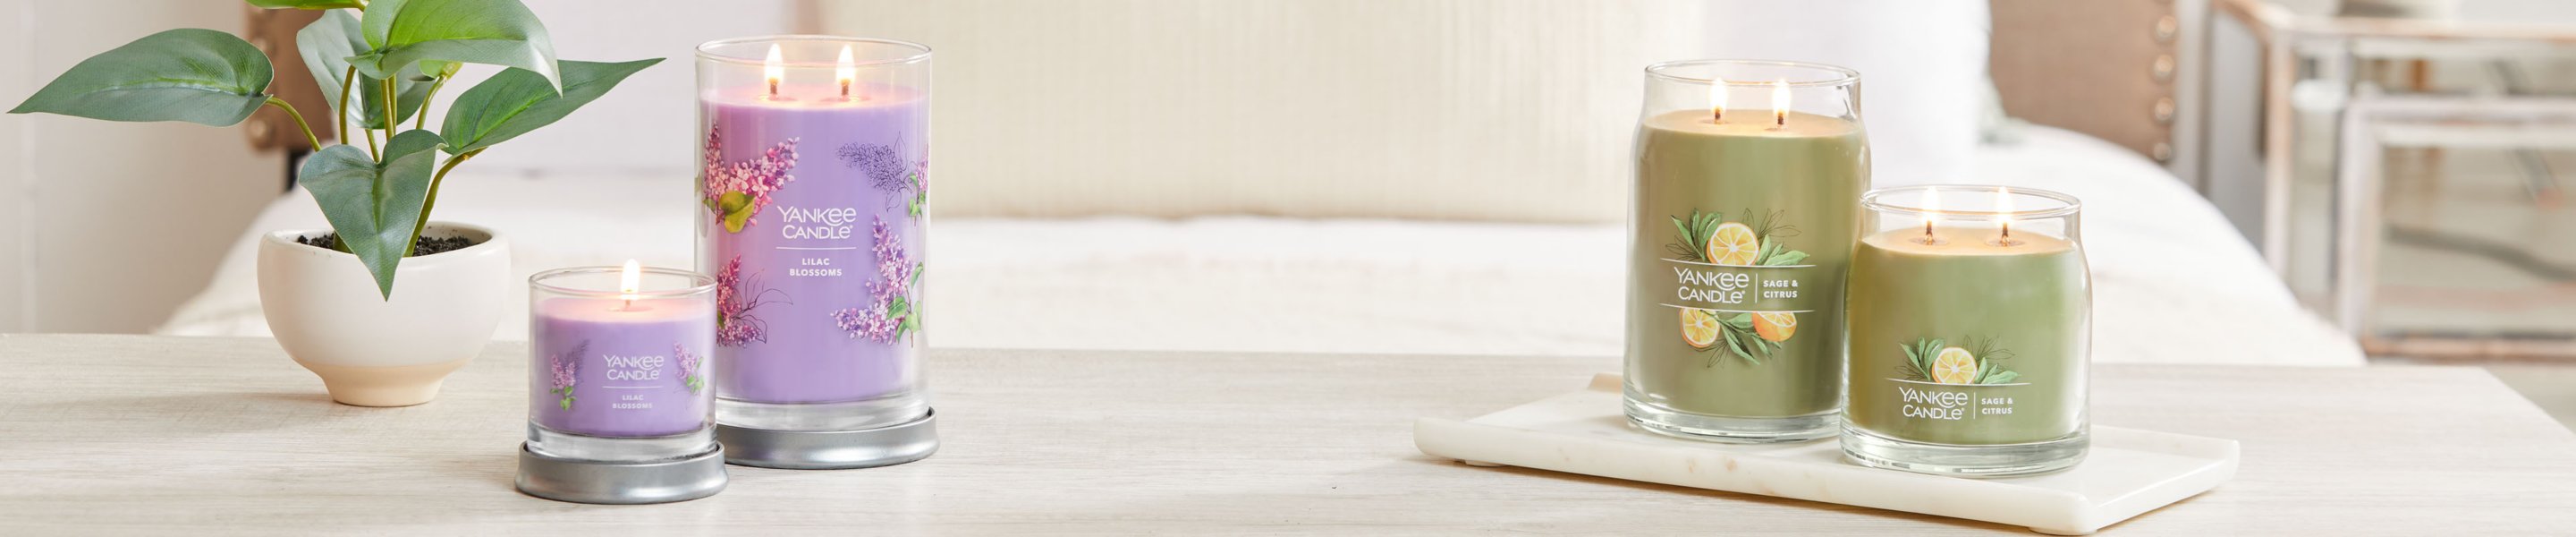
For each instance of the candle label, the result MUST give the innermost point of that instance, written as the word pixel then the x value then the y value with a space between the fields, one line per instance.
pixel 1939 381
pixel 813 229
pixel 1738 284
pixel 623 394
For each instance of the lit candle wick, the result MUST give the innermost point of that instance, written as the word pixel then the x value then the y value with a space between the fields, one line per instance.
pixel 628 281
pixel 1717 101
pixel 1931 212
pixel 1780 103
pixel 775 69
pixel 2003 207
pixel 847 72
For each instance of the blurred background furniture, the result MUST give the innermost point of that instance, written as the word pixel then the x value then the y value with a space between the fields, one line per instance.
pixel 2466 96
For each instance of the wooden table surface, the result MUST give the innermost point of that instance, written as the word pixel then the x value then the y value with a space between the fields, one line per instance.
pixel 126 434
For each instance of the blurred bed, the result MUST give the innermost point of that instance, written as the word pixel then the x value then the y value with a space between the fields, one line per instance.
pixel 1404 177
pixel 2164 263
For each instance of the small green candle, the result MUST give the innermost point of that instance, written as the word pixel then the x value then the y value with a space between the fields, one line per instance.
pixel 1743 225
pixel 1967 333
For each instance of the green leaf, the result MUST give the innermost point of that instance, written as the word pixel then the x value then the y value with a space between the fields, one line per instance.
pixel 567 403
pixel 517 101
pixel 401 33
pixel 373 207
pixel 1790 257
pixel 194 75
pixel 737 210
pixel 306 4
pixel 2003 377
pixel 327 45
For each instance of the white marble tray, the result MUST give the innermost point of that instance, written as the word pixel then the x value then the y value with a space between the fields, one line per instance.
pixel 2128 472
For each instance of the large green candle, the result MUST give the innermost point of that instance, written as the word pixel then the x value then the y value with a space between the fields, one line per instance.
pixel 1741 232
pixel 1968 334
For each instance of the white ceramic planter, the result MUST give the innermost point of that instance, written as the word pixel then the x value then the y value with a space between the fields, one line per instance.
pixel 369 351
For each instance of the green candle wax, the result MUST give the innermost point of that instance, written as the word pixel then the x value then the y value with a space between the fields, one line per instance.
pixel 1740 237
pixel 1965 341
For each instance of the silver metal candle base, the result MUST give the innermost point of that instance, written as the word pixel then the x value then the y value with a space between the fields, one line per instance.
pixel 831 450
pixel 588 481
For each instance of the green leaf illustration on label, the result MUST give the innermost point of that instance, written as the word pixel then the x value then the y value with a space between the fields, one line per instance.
pixel 1977 361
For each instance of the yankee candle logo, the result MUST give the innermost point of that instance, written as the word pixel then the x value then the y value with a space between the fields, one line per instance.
pixel 635 367
pixel 825 223
pixel 1949 405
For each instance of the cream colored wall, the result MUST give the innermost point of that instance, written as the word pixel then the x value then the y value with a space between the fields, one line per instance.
pixel 105 226
pixel 17 33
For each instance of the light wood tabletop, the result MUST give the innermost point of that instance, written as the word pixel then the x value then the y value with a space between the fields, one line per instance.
pixel 127 434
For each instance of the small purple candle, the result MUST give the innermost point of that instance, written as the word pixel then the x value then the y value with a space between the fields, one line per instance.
pixel 623 362
pixel 814 198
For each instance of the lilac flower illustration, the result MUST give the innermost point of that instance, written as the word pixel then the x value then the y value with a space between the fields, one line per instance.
pixel 737 191
pixel 567 370
pixel 887 172
pixel 688 367
pixel 736 297
pixel 889 315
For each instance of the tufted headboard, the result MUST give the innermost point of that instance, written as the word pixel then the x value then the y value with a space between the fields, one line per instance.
pixel 2106 68
pixel 1509 110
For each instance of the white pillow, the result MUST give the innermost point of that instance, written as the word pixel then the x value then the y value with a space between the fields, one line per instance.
pixel 1922 65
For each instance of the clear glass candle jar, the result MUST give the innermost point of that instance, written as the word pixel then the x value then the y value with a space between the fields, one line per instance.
pixel 1747 196
pixel 813 200
pixel 620 399
pixel 1970 331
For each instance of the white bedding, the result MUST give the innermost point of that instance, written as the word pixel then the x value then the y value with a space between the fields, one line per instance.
pixel 2174 283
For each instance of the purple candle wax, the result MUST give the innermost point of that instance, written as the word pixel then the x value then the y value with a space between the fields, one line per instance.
pixel 813 206
pixel 618 368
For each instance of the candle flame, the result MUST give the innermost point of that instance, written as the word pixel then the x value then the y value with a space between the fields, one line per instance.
pixel 630 280
pixel 1717 100
pixel 1931 208
pixel 1780 102
pixel 775 70
pixel 2003 208
pixel 848 71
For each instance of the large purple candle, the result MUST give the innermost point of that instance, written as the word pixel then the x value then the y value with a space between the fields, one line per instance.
pixel 813 193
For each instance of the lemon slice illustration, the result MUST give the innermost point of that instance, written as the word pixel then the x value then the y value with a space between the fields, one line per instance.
pixel 1776 327
pixel 1733 244
pixel 1954 366
pixel 1699 327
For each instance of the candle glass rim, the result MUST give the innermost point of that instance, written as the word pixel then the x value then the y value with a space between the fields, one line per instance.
pixel 706 51
pixel 1843 76
pixel 698 283
pixel 1872 200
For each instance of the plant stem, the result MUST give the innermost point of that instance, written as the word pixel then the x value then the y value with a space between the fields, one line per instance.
pixel 430 202
pixel 390 122
pixel 299 121
pixel 343 111
pixel 420 119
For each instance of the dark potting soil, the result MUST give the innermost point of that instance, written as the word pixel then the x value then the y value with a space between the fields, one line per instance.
pixel 427 245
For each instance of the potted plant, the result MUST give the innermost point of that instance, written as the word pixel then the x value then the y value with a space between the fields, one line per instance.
pixel 380 68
